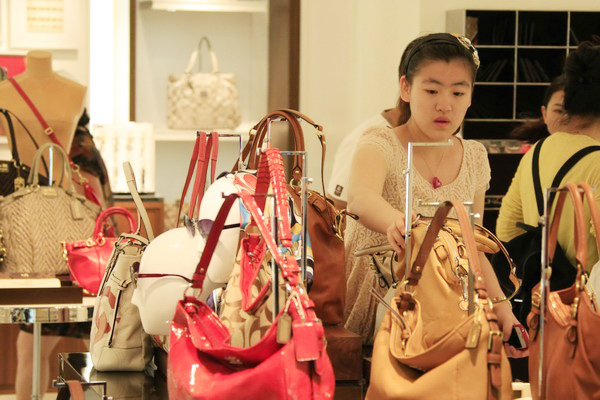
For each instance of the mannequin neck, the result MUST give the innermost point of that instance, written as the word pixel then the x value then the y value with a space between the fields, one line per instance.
pixel 39 64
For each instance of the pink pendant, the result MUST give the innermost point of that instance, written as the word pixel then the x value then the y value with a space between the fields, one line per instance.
pixel 436 182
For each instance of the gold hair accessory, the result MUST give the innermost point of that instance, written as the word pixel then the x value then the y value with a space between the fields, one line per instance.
pixel 469 46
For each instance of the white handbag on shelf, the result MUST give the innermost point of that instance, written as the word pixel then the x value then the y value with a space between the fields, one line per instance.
pixel 203 100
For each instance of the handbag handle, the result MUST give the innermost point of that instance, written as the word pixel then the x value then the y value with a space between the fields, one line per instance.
pixel 203 150
pixel 580 231
pixel 595 213
pixel 214 62
pixel 107 213
pixel 141 210
pixel 34 179
pixel 289 267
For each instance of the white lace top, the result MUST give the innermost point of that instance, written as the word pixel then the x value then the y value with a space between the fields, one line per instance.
pixel 473 176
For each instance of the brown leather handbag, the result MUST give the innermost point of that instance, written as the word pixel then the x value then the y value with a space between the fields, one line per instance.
pixel 428 347
pixel 571 344
pixel 325 222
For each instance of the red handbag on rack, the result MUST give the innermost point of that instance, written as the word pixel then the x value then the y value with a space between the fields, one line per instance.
pixel 289 362
pixel 87 259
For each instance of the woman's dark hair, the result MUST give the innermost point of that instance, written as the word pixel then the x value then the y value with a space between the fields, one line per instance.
pixel 582 89
pixel 433 47
pixel 532 131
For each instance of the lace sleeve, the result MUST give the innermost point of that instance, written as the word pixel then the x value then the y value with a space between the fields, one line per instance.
pixel 480 166
pixel 380 137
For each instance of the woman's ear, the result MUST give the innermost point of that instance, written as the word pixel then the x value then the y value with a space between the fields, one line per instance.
pixel 404 89
pixel 543 108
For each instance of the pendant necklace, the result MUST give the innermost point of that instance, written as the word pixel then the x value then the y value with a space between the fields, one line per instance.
pixel 435 181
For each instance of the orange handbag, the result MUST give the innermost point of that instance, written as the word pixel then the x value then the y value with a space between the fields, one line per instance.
pixel 571 349
pixel 428 347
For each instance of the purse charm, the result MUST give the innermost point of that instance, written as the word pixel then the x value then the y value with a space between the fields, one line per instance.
pixel 474 333
pixel 19 183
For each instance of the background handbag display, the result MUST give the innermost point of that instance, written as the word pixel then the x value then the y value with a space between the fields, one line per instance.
pixel 428 346
pixel 117 340
pixel 325 223
pixel 571 349
pixel 289 362
pixel 203 100
pixel 35 219
pixel 13 173
pixel 87 259
pixel 525 249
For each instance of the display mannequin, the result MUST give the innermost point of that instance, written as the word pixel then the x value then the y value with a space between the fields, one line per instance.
pixel 58 99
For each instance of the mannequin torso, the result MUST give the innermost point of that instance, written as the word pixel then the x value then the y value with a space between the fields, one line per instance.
pixel 58 99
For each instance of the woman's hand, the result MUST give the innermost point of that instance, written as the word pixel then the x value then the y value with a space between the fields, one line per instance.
pixel 507 320
pixel 396 232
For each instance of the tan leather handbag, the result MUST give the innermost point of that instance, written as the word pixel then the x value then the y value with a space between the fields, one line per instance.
pixel 35 219
pixel 571 357
pixel 428 347
pixel 203 100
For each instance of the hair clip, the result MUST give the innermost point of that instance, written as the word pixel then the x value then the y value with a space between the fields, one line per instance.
pixel 469 46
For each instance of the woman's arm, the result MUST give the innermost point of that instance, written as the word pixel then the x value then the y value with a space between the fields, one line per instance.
pixel 367 178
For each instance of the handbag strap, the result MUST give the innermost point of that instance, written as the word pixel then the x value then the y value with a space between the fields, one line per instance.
pixel 214 62
pixel 13 141
pixel 34 177
pixel 90 193
pixel 107 213
pixel 595 213
pixel 563 170
pixel 205 147
pixel 271 173
pixel 289 268
pixel 580 230
pixel 141 210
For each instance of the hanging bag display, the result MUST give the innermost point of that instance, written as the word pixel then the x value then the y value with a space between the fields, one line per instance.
pixel 117 340
pixel 203 100
pixel 87 259
pixel 571 345
pixel 428 347
pixel 325 223
pixel 289 362
pixel 35 219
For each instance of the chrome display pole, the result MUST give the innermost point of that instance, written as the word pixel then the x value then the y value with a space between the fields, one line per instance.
pixel 409 197
pixel 274 268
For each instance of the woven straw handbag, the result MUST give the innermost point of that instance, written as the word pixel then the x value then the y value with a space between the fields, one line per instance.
pixel 36 219
pixel 203 100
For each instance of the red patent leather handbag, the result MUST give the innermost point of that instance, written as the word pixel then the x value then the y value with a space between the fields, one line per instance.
pixel 87 259
pixel 289 362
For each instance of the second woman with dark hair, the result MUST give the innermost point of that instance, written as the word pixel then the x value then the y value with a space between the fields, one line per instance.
pixel 436 84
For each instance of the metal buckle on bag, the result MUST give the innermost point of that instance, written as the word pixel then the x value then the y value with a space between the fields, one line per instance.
pixel 491 338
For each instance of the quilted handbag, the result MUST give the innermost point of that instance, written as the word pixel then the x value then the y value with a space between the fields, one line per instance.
pixel 117 340
pixel 248 323
pixel 428 347
pixel 203 100
pixel 12 172
pixel 289 362
pixel 325 222
pixel 87 259
pixel 35 219
pixel 571 345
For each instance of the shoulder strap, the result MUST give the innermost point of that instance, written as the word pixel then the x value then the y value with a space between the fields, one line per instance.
pixel 566 167
pixel 11 132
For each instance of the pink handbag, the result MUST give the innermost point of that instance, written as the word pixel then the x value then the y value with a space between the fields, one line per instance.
pixel 87 259
pixel 289 362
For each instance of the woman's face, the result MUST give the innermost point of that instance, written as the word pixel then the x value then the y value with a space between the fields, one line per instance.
pixel 439 97
pixel 553 113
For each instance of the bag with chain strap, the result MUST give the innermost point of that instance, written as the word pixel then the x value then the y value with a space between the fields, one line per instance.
pixel 117 340
pixel 428 346
pixel 35 219
pixel 203 100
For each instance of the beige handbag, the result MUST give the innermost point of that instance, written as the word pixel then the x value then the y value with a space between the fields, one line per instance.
pixel 204 100
pixel 428 347
pixel 117 340
pixel 35 219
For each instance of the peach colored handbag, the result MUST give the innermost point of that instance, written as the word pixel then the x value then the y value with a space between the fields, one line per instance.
pixel 430 348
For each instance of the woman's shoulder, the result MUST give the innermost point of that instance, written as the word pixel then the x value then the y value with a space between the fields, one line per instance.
pixel 474 150
pixel 379 134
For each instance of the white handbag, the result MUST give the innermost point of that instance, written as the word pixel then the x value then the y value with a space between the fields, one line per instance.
pixel 204 100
